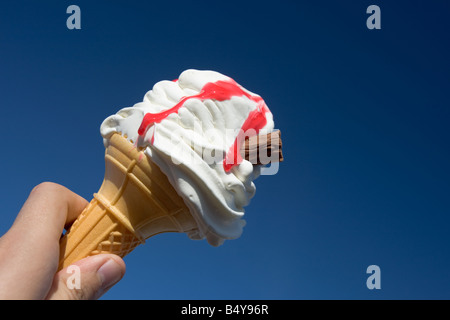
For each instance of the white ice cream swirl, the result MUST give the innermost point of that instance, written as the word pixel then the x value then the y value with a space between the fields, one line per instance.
pixel 190 145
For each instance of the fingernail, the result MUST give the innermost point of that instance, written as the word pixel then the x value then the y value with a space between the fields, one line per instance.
pixel 110 273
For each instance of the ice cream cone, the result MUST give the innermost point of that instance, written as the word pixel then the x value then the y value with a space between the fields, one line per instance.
pixel 135 202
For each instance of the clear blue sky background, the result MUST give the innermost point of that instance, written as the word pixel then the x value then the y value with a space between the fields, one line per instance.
pixel 364 116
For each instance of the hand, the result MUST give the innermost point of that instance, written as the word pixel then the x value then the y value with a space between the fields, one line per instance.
pixel 29 251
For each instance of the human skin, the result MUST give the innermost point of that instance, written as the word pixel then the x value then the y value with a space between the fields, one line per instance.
pixel 29 251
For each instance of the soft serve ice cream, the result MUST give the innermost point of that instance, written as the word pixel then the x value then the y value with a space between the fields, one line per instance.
pixel 192 128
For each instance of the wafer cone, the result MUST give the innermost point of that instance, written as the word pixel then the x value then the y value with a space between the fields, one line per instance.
pixel 135 202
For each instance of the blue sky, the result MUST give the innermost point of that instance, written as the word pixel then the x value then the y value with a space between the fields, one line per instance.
pixel 363 113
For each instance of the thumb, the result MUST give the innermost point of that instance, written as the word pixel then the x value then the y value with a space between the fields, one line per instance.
pixel 88 278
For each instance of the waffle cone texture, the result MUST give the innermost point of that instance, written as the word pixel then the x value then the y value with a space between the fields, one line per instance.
pixel 135 201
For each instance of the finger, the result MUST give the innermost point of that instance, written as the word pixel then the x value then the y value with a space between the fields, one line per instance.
pixel 48 208
pixel 29 251
pixel 88 278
